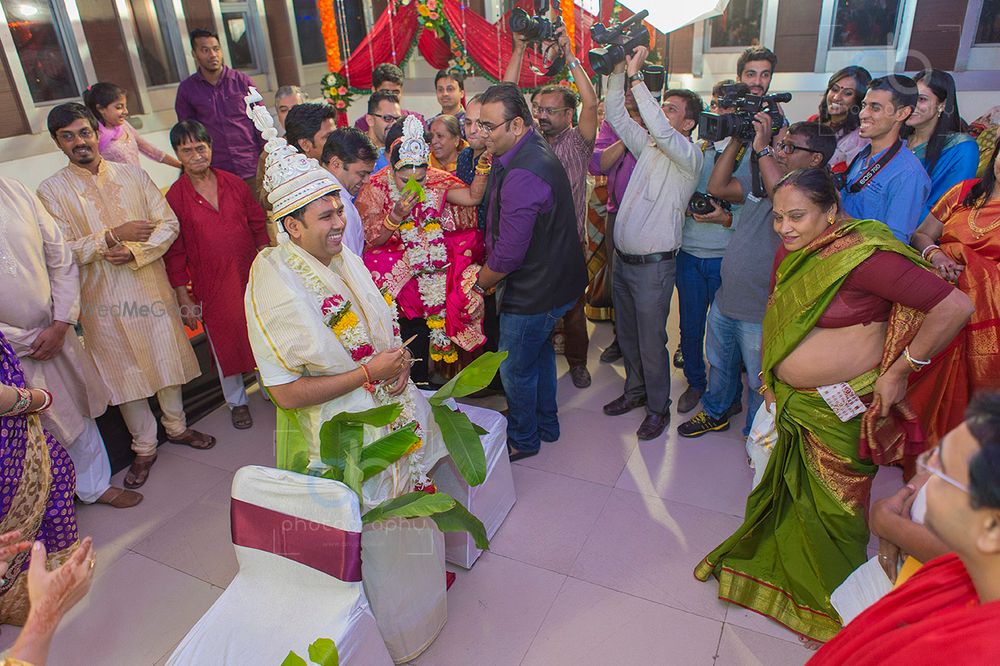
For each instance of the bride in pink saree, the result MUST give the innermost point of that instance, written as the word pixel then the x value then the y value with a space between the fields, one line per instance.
pixel 422 245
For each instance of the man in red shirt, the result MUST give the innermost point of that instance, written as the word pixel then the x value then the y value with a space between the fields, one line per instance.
pixel 949 611
pixel 221 230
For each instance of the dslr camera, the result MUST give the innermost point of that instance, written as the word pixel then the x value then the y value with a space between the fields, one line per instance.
pixel 539 29
pixel 619 41
pixel 701 204
pixel 739 124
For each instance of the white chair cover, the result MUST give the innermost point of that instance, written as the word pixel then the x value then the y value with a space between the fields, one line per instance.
pixel 491 500
pixel 276 604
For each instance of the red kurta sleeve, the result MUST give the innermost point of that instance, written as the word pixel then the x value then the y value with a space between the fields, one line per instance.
pixel 256 217
pixel 175 258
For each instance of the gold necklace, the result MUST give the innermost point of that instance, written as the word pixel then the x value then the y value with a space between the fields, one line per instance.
pixel 978 231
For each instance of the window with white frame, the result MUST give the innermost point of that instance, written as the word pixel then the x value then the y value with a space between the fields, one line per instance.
pixel 988 30
pixel 865 23
pixel 738 27
pixel 240 27
pixel 158 42
pixel 41 37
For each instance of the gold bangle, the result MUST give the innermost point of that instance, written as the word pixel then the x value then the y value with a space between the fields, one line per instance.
pixel 387 223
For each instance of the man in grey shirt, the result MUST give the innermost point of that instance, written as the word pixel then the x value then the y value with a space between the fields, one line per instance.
pixel 734 322
pixel 647 235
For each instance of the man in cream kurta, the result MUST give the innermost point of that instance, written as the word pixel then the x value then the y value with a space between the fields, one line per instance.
pixel 131 324
pixel 312 373
pixel 37 266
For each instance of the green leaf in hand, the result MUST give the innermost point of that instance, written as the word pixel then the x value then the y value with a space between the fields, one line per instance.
pixel 410 505
pixel 383 452
pixel 459 519
pixel 462 442
pixel 413 186
pixel 323 651
pixel 474 377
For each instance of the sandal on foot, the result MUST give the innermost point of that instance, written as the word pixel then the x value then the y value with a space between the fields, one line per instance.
pixel 241 417
pixel 120 498
pixel 138 473
pixel 194 439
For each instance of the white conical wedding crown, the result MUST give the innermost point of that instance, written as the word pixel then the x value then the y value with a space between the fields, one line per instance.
pixel 291 179
pixel 413 149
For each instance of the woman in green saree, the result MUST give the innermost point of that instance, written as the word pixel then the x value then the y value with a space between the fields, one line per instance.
pixel 852 313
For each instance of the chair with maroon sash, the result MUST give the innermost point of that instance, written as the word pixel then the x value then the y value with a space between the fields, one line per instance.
pixel 298 544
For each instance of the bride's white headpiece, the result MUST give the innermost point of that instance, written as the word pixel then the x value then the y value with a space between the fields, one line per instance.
pixel 413 149
pixel 291 179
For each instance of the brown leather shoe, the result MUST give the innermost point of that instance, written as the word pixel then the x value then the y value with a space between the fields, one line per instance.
pixel 653 426
pixel 622 405
pixel 580 376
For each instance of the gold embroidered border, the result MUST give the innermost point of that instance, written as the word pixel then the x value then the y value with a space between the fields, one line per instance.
pixel 851 489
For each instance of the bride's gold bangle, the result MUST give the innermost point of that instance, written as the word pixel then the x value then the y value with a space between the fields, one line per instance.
pixel 387 223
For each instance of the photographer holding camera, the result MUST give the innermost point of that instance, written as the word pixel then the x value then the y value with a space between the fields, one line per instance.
pixel 734 322
pixel 553 108
pixel 647 233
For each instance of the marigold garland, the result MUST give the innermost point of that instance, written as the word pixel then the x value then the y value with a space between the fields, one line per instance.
pixel 331 40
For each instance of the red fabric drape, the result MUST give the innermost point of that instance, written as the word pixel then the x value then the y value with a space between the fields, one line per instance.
pixel 397 27
pixel 435 50
pixel 489 50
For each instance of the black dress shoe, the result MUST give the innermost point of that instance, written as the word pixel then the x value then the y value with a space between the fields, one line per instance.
pixel 653 426
pixel 518 454
pixel 622 405
pixel 688 400
pixel 580 376
pixel 612 353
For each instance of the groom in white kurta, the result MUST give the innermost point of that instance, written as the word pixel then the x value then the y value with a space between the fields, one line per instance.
pixel 311 372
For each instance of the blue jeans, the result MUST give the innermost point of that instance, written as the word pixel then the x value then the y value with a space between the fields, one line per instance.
pixel 729 342
pixel 529 377
pixel 697 281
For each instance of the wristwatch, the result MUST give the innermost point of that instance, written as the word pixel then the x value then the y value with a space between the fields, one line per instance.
pixel 479 290
pixel 765 152
pixel 637 77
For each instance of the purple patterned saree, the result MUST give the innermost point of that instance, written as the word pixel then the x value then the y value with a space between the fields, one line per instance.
pixel 36 494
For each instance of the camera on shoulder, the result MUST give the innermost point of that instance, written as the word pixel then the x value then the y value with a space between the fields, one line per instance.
pixel 619 40
pixel 701 204
pixel 539 29
pixel 739 123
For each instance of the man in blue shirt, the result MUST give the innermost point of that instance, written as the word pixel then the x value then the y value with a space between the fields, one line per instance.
pixel 886 182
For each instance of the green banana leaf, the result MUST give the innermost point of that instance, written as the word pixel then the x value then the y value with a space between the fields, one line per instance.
pixel 462 442
pixel 460 519
pixel 410 505
pixel 474 377
pixel 383 452
pixel 376 416
pixel 293 660
pixel 336 439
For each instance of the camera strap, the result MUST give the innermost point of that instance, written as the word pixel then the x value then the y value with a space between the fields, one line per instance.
pixel 875 168
pixel 756 182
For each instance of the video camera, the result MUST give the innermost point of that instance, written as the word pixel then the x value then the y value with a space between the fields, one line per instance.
pixel 620 40
pixel 701 204
pixel 539 29
pixel 739 124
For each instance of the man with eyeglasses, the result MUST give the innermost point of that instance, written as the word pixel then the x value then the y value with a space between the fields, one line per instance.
pixel 534 259
pixel 734 330
pixel 554 108
pixel 949 610
pixel 647 234
pixel 128 311
pixel 383 112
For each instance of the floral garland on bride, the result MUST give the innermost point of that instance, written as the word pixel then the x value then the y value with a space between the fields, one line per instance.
pixel 339 316
pixel 425 252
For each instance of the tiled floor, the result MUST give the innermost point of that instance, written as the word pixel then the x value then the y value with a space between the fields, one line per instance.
pixel 592 566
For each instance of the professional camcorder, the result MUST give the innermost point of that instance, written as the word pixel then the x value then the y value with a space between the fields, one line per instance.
pixel 619 41
pixel 701 204
pixel 739 124
pixel 540 30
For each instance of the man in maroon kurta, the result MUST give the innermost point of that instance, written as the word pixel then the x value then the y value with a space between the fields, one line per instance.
pixel 222 229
